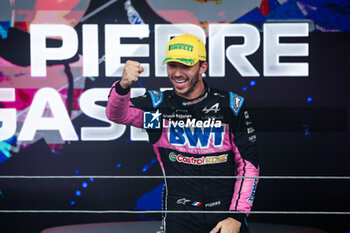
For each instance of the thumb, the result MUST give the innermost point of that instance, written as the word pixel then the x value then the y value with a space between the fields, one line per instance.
pixel 216 228
pixel 141 69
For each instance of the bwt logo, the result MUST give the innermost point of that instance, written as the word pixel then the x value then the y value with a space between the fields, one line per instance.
pixel 236 54
pixel 196 137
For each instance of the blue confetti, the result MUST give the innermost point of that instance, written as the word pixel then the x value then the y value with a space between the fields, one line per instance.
pixel 118 165
pixel 78 193
pixel 6 147
pixel 84 185
pixel 4 151
pixel 92 179
pixel 309 99
pixel 145 168
pixel 153 161
pixel 77 172
pixel 72 203
pixel 4 29
pixel 252 83
pixel 244 88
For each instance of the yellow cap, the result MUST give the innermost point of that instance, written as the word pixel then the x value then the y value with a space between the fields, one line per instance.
pixel 186 49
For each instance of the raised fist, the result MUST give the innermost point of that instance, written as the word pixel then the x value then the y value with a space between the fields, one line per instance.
pixel 131 73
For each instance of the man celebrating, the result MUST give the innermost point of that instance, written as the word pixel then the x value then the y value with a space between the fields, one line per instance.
pixel 203 132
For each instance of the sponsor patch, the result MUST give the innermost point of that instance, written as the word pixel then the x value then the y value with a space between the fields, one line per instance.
pixel 156 97
pixel 197 203
pixel 236 102
pixel 252 194
pixel 182 201
pixel 212 204
pixel 252 138
pixel 181 46
pixel 250 130
pixel 196 134
pixel 214 108
pixel 246 115
pixel 204 160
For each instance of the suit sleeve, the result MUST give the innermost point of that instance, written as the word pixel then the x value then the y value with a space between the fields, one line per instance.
pixel 246 159
pixel 121 110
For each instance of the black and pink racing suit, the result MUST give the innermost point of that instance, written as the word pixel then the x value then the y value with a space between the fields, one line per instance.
pixel 211 135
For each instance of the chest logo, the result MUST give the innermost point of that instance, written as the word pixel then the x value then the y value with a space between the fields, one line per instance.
pixel 214 108
pixel 204 160
pixel 196 137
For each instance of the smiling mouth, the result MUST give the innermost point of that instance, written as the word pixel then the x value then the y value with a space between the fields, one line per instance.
pixel 179 81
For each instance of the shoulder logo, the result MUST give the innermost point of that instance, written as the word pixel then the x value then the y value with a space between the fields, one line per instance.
pixel 236 102
pixel 214 108
pixel 157 98
pixel 151 120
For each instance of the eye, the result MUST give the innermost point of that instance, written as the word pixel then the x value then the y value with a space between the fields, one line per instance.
pixel 171 64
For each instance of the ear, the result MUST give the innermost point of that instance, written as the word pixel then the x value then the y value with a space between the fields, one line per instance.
pixel 203 68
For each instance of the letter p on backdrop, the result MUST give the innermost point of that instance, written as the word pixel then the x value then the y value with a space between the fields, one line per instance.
pixel 39 53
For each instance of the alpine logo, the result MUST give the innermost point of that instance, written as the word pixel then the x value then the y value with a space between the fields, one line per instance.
pixel 214 108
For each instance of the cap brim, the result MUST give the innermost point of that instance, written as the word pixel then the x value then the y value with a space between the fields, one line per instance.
pixel 187 62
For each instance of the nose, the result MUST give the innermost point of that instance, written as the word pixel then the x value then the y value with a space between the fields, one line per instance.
pixel 177 72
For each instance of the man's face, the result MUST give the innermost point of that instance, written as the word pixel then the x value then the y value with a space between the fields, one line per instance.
pixel 187 80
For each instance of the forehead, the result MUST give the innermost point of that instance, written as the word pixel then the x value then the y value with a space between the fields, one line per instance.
pixel 180 65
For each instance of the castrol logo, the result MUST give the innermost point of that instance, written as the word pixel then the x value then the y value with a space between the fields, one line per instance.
pixel 204 160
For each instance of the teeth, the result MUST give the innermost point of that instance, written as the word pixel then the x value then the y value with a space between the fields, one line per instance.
pixel 179 81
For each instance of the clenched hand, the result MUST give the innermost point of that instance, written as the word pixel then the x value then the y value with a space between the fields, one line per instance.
pixel 131 73
pixel 229 225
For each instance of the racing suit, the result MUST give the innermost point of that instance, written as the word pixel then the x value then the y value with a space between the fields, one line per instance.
pixel 211 135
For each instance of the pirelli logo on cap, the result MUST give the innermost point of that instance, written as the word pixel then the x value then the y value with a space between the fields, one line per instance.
pixel 181 46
